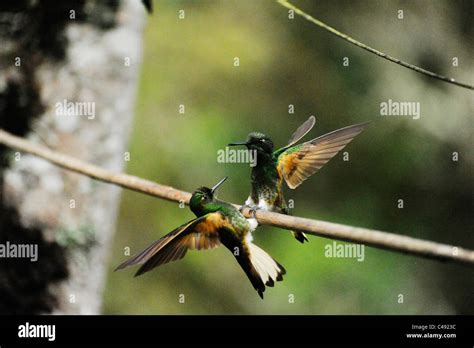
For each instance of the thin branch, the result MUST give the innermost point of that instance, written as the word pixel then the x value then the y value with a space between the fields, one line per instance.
pixel 370 49
pixel 378 239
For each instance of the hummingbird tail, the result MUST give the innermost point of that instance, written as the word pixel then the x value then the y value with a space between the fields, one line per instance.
pixel 265 267
pixel 300 236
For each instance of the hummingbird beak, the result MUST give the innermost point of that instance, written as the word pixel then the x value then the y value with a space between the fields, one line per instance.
pixel 216 186
pixel 238 144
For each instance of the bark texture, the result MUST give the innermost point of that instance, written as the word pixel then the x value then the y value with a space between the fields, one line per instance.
pixel 52 54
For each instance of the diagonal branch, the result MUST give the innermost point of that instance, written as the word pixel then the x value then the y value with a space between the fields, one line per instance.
pixel 378 239
pixel 370 49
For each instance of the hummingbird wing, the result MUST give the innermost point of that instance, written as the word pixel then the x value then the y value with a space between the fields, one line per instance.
pixel 301 131
pixel 200 233
pixel 299 162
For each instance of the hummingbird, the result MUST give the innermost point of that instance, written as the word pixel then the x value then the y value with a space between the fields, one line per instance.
pixel 294 163
pixel 216 223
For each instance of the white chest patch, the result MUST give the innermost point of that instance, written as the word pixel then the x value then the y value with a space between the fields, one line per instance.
pixel 249 237
pixel 253 224
pixel 249 202
pixel 262 204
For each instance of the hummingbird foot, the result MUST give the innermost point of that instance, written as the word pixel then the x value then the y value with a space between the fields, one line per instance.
pixel 253 209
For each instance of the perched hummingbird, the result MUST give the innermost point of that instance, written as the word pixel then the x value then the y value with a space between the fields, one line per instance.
pixel 217 223
pixel 294 163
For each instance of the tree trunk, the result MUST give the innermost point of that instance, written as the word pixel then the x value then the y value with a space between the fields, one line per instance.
pixel 68 77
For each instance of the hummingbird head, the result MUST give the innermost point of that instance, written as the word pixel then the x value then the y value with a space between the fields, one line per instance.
pixel 257 141
pixel 202 196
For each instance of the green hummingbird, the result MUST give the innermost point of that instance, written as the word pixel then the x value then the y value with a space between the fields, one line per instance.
pixel 216 223
pixel 293 162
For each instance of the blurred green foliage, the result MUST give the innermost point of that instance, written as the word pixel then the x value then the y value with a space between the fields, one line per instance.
pixel 282 61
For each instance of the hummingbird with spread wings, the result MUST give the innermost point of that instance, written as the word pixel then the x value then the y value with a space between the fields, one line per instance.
pixel 293 163
pixel 216 223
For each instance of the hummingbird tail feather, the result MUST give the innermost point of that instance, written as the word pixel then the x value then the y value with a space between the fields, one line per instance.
pixel 267 268
pixel 259 267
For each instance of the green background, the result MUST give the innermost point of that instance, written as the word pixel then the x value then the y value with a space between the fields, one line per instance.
pixel 282 61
